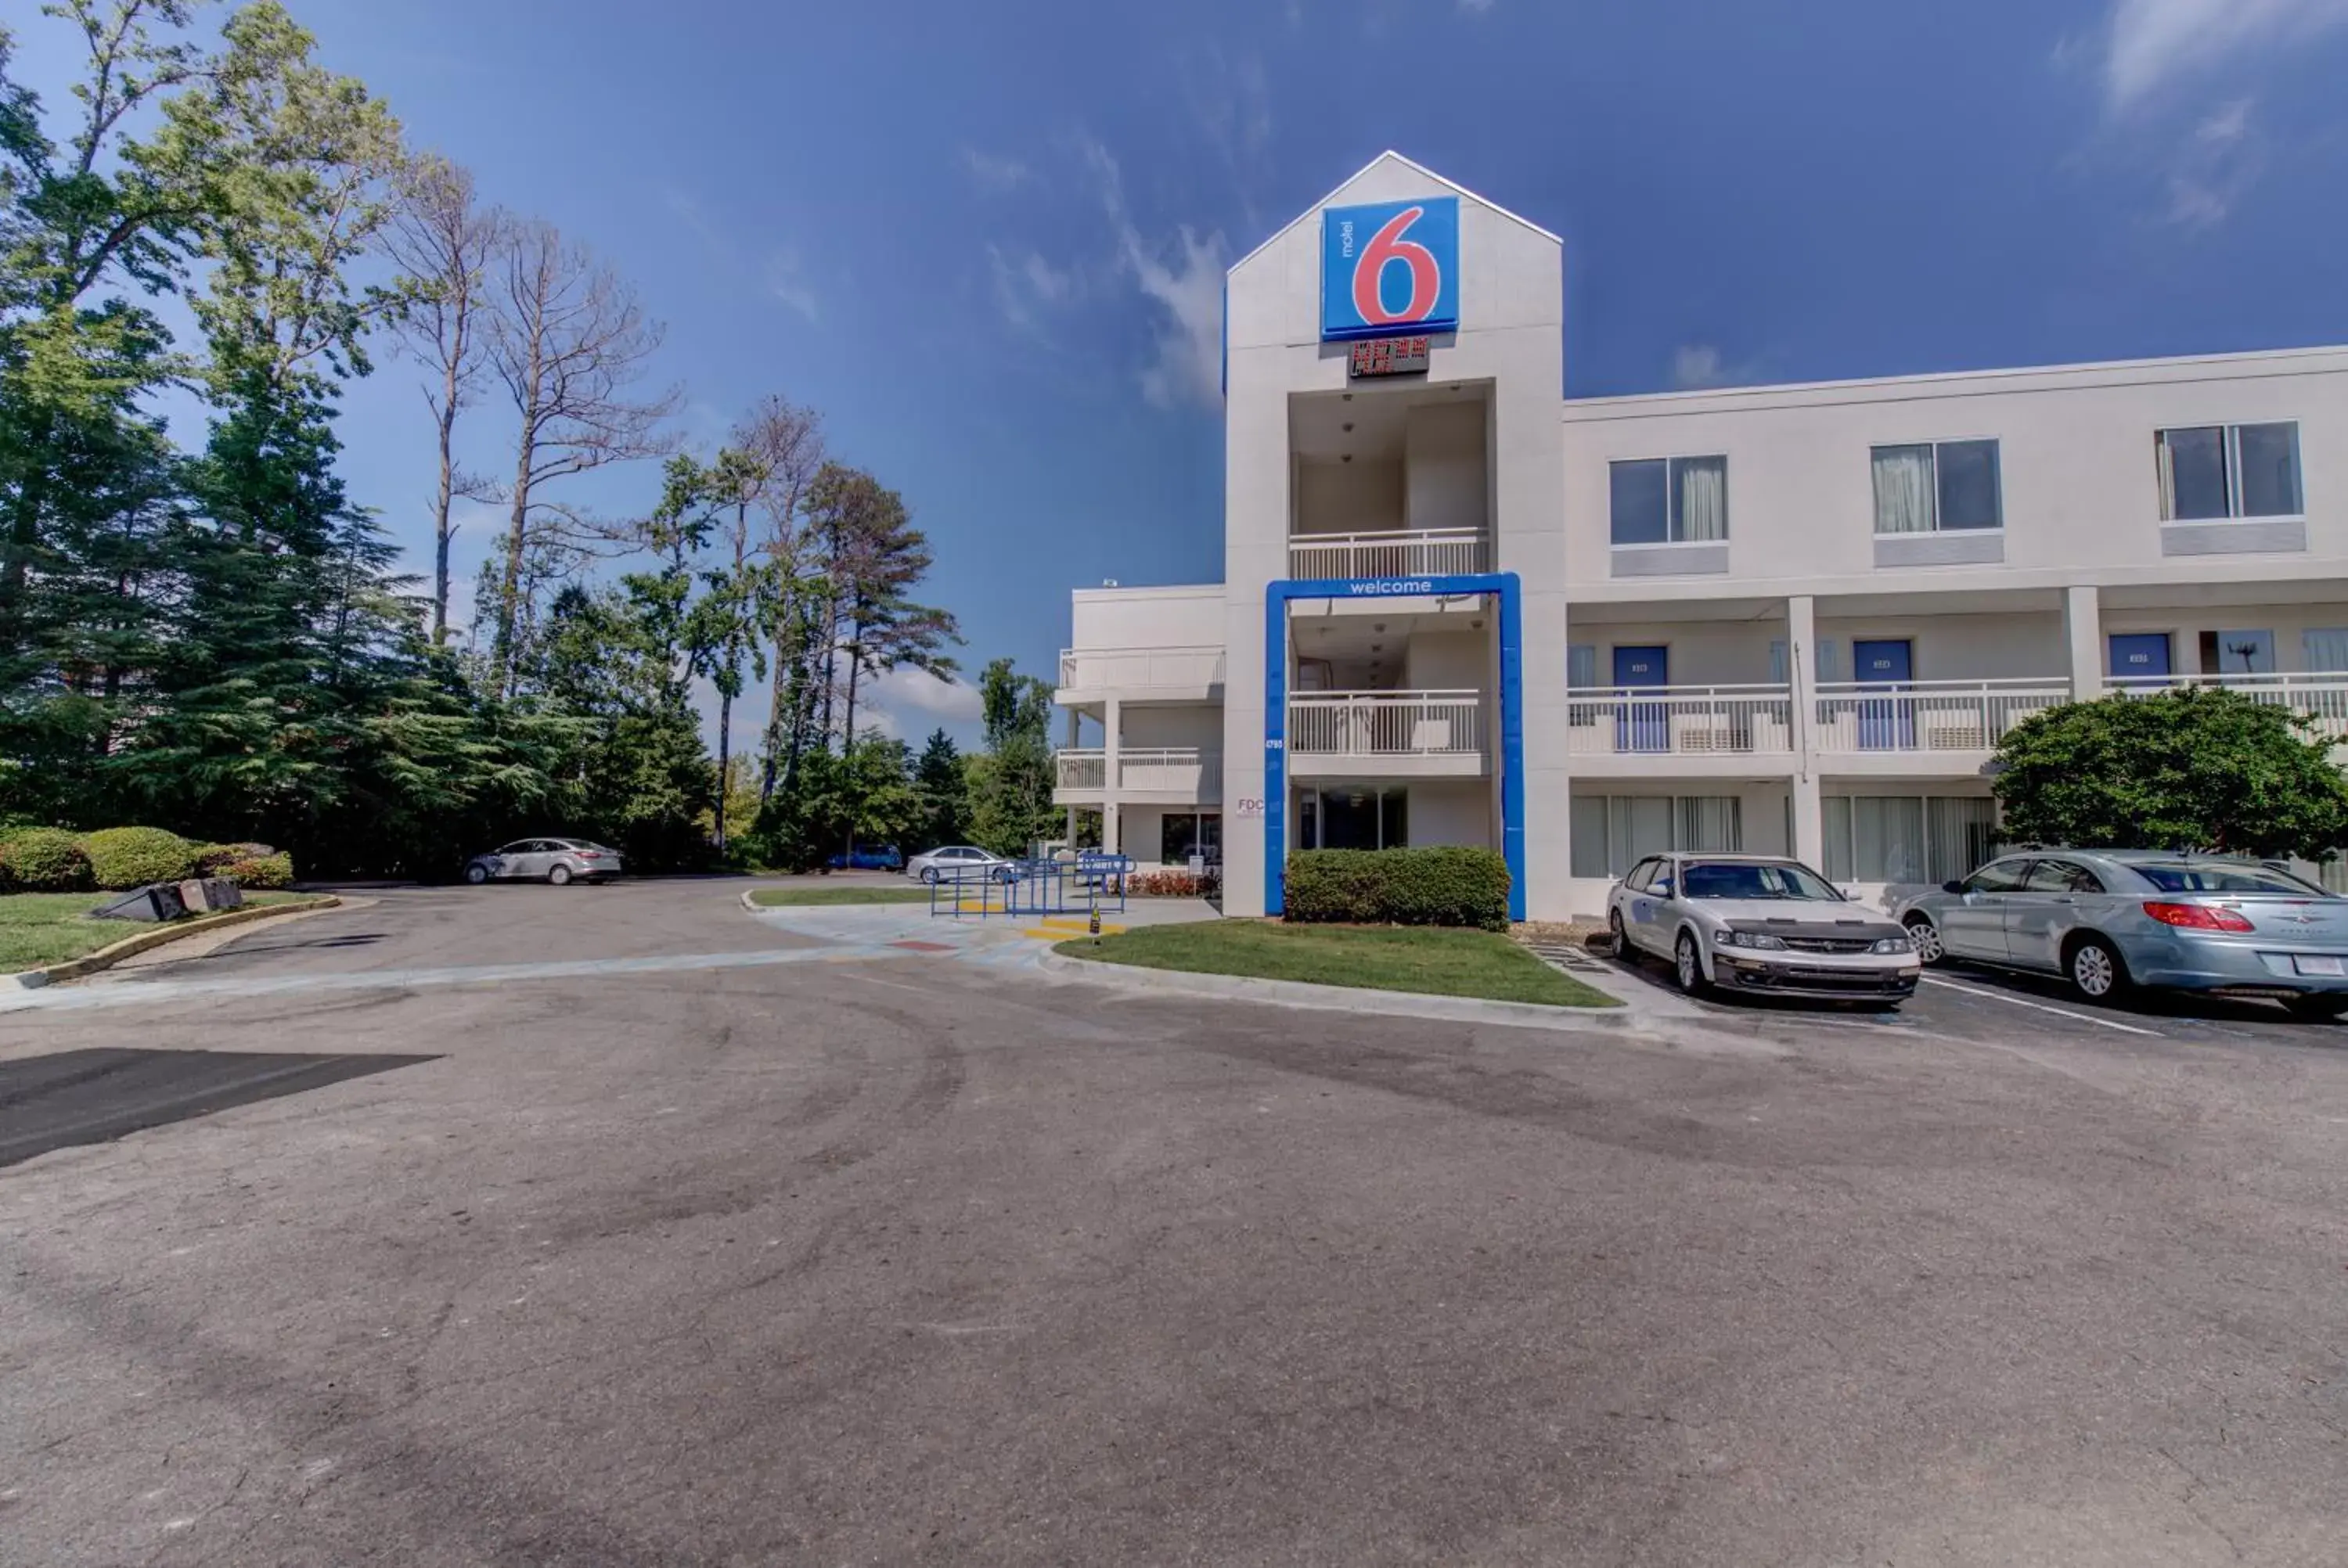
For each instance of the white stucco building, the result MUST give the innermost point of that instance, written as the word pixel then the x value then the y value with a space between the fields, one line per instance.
pixel 1459 608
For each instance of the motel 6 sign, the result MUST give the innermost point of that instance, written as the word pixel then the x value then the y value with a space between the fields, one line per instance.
pixel 1390 268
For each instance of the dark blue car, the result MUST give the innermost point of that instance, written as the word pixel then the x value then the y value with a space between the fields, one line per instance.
pixel 882 859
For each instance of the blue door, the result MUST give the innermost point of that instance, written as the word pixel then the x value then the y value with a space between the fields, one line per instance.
pixel 1885 725
pixel 1642 726
pixel 2140 656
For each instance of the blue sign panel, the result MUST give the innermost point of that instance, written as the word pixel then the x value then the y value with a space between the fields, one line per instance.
pixel 1390 267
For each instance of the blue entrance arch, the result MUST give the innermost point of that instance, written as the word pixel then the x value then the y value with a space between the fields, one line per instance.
pixel 1277 597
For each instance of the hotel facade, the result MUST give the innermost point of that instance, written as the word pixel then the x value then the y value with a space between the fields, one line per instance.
pixel 1459 608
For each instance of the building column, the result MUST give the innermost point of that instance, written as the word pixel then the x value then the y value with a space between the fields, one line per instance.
pixel 1801 674
pixel 1112 723
pixel 2083 634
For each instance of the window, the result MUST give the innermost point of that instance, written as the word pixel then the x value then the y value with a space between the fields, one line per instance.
pixel 2238 652
pixel 2214 878
pixel 1907 838
pixel 2060 876
pixel 1637 880
pixel 2214 471
pixel 1610 833
pixel 1937 486
pixel 2006 876
pixel 2323 648
pixel 1181 834
pixel 1747 881
pixel 1670 500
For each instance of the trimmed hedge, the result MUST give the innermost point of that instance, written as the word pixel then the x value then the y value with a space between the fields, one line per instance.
pixel 1444 885
pixel 44 860
pixel 133 856
pixel 214 859
pixel 261 872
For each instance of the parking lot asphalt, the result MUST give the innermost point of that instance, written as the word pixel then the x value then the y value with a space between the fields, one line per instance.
pixel 670 1239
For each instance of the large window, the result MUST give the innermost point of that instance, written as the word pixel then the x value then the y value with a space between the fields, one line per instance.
pixel 1937 486
pixel 1907 838
pixel 1181 834
pixel 2214 471
pixel 1670 500
pixel 1613 833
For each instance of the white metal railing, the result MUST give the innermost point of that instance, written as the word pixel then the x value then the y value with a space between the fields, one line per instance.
pixel 1927 715
pixel 1386 723
pixel 1181 769
pixel 1142 669
pixel 1421 552
pixel 1082 769
pixel 1682 719
pixel 2322 695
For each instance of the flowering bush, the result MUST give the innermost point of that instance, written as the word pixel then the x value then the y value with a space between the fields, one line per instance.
pixel 1168 884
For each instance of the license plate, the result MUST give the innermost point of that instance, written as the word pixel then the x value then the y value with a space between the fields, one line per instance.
pixel 2321 966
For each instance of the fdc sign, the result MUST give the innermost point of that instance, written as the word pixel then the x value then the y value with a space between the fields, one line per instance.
pixel 1390 267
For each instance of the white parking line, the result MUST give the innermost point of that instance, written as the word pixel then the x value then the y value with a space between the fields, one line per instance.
pixel 2042 1007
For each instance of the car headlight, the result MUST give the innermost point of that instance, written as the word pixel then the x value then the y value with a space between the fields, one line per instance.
pixel 1761 939
pixel 1894 945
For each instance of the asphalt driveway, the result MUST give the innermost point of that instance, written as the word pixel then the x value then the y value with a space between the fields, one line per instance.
pixel 695 1243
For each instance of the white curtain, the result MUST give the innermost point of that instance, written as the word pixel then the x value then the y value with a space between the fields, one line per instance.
pixel 1959 832
pixel 2325 648
pixel 1581 666
pixel 1888 838
pixel 1838 828
pixel 1903 491
pixel 1702 499
pixel 1713 823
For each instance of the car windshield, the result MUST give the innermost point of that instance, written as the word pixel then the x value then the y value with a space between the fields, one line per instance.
pixel 1703 880
pixel 2185 878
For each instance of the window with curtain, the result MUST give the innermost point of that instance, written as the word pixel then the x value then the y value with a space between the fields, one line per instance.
pixel 2323 648
pixel 1611 834
pixel 1914 839
pixel 1581 666
pixel 1936 487
pixel 1669 500
pixel 2212 473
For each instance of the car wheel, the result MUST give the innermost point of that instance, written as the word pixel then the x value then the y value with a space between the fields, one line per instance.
pixel 476 875
pixel 2095 970
pixel 1614 930
pixel 559 876
pixel 2317 1009
pixel 930 874
pixel 1687 966
pixel 1926 937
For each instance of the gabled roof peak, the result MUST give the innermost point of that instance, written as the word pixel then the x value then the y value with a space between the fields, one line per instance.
pixel 1391 156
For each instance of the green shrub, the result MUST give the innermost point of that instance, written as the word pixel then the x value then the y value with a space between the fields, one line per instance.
pixel 134 856
pixel 44 860
pixel 1446 885
pixel 214 859
pixel 263 872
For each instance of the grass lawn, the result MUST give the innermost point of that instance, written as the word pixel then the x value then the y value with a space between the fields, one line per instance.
pixel 1442 963
pixel 837 893
pixel 37 929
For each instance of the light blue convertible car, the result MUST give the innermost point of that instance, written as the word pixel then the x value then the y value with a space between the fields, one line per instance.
pixel 2107 920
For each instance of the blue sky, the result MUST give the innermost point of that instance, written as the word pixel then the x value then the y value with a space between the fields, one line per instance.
pixel 987 240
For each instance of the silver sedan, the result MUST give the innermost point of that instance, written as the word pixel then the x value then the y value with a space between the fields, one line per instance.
pixel 1758 924
pixel 556 860
pixel 2108 920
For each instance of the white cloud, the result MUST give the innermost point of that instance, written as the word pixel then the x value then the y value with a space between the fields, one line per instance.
pixel 1026 284
pixel 785 282
pixel 1698 366
pixel 1476 7
pixel 992 174
pixel 1184 278
pixel 2154 43
pixel 909 703
pixel 2218 165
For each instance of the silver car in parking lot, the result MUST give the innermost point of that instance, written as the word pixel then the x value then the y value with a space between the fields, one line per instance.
pixel 1759 924
pixel 2108 920
pixel 555 860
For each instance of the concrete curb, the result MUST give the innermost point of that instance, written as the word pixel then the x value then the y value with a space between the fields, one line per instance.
pixel 131 946
pixel 1340 999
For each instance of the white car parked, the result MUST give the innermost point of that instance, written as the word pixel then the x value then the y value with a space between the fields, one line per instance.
pixel 962 861
pixel 1758 923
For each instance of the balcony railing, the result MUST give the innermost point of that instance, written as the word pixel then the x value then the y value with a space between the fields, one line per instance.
pixel 1386 723
pixel 1182 770
pixel 1747 720
pixel 1927 715
pixel 1141 669
pixel 1086 769
pixel 1425 552
pixel 2322 695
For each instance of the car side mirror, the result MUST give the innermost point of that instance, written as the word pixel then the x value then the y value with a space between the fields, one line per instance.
pixel 1662 889
pixel 1952 887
